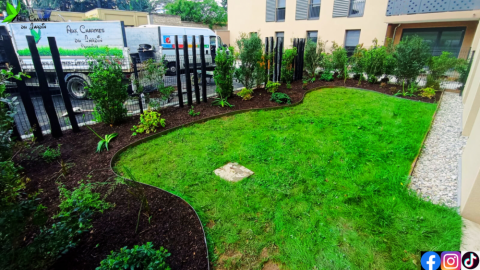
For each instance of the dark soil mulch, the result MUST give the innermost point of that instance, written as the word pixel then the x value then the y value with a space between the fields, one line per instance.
pixel 173 225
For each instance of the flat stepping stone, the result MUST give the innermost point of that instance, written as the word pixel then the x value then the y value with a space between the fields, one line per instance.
pixel 233 172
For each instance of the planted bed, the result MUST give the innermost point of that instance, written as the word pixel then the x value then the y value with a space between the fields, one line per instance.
pixel 330 187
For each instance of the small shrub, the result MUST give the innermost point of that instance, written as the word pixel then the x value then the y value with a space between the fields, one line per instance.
pixel 192 112
pixel 139 257
pixel 51 154
pixel 326 76
pixel 428 93
pixel 313 54
pixel 246 94
pixel 383 84
pixel 107 87
pixel 304 86
pixel 432 82
pixel 149 122
pixel 439 65
pixel 340 58
pixel 103 143
pixel 272 87
pixel 372 79
pixel 289 86
pixel 223 74
pixel 281 98
pixel 222 102
pixel 411 54
pixel 393 89
pixel 287 65
pixel 250 54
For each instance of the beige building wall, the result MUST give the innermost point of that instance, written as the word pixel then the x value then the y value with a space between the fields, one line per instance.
pixel 65 16
pixel 130 18
pixel 250 16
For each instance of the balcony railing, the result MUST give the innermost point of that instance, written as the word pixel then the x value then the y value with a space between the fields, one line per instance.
pixel 405 7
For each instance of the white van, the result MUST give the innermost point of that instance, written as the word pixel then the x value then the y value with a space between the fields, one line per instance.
pixel 164 36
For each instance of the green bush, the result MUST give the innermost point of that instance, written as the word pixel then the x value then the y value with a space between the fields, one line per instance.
pixel 326 76
pixel 287 65
pixel 357 61
pixel 281 98
pixel 149 122
pixel 312 56
pixel 432 82
pixel 439 65
pixel 246 94
pixel 223 75
pixel 51 154
pixel 327 63
pixel 428 93
pixel 250 53
pixel 143 257
pixel 107 87
pixel 378 60
pixel 411 55
pixel 272 87
pixel 340 59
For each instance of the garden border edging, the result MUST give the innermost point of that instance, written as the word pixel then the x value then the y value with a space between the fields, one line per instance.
pixel 115 157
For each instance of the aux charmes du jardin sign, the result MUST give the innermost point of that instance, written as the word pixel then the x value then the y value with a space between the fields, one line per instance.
pixel 12 14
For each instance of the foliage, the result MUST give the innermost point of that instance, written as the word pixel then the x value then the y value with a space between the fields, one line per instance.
pixel 463 67
pixel 223 74
pixel 357 60
pixel 372 79
pixel 143 257
pixel 207 12
pixel 439 65
pixel 222 102
pixel 340 58
pixel 192 112
pixel 107 88
pixel 245 94
pixel 281 98
pixel 153 74
pixel 289 86
pixel 326 63
pixel 411 55
pixel 326 76
pixel 92 19
pixel 428 93
pixel 411 90
pixel 432 82
pixel 341 198
pixel 272 87
pixel 7 112
pixel 149 122
pixel 378 60
pixel 250 51
pixel 312 56
pixel 51 154
pixel 287 65
pixel 45 51
pixel 103 143
pixel 86 5
pixel 136 5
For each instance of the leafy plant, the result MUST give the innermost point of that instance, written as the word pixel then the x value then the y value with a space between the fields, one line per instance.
pixel 312 56
pixel 223 74
pixel 439 65
pixel 149 122
pixel 372 79
pixel 246 94
pixel 250 54
pixel 192 113
pixel 326 63
pixel 411 90
pixel 289 86
pixel 281 98
pixel 139 257
pixel 272 87
pixel 428 93
pixel 432 82
pixel 206 12
pixel 107 88
pixel 326 76
pixel 411 54
pixel 51 154
pixel 287 65
pixel 103 143
pixel 222 102
pixel 340 58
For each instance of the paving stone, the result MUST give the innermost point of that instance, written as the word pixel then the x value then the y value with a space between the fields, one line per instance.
pixel 233 172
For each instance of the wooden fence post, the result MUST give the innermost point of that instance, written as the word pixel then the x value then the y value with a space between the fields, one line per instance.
pixel 295 61
pixel 187 70
pixel 44 89
pixel 280 56
pixel 204 68
pixel 22 88
pixel 275 56
pixel 61 82
pixel 266 61
pixel 195 74
pixel 179 79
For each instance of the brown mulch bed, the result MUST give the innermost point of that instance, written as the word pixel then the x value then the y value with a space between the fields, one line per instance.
pixel 174 224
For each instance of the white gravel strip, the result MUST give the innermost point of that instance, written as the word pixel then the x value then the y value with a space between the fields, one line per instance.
pixel 436 172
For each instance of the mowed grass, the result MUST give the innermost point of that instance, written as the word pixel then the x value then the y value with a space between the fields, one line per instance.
pixel 329 189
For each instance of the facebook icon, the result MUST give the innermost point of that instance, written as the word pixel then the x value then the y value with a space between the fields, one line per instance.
pixel 430 260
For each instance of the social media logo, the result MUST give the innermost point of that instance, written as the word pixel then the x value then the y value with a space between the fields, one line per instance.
pixel 451 260
pixel 430 260
pixel 470 260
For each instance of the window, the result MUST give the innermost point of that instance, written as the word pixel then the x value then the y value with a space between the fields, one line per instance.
pixel 448 39
pixel 314 10
pixel 312 35
pixel 356 8
pixel 281 10
pixel 351 40
pixel 279 35
pixel 213 41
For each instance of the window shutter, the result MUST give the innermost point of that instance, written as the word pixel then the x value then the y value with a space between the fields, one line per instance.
pixel 340 8
pixel 271 10
pixel 302 10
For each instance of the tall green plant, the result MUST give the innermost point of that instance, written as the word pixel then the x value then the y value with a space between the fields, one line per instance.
pixel 439 65
pixel 411 55
pixel 250 52
pixel 107 87
pixel 224 73
pixel 340 58
pixel 313 56
pixel 287 65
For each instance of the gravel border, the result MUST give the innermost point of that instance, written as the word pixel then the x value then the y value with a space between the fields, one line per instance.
pixel 435 176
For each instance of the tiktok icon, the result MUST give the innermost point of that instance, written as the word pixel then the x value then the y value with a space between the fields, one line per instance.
pixel 470 260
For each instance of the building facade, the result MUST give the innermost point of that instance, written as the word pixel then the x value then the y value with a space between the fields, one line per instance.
pixel 448 25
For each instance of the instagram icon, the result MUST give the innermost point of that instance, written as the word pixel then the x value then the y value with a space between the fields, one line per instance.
pixel 451 260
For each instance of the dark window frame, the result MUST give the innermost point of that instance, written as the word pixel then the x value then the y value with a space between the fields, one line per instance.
pixel 439 35
pixel 277 9
pixel 314 31
pixel 350 51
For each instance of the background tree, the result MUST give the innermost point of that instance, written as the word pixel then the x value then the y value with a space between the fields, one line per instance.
pixel 136 5
pixel 207 12
pixel 75 5
pixel 224 4
pixel 412 55
pixel 250 53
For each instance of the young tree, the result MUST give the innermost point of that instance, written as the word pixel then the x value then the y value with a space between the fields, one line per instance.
pixel 136 5
pixel 224 73
pixel 250 54
pixel 207 12
pixel 313 56
pixel 412 55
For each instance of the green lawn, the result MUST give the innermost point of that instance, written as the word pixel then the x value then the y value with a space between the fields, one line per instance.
pixel 329 189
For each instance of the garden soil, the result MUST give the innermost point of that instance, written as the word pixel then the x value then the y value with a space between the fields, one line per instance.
pixel 172 224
